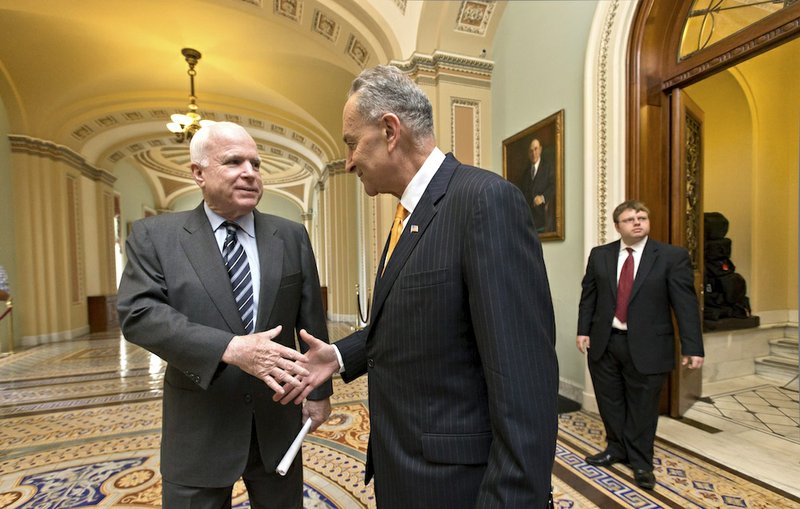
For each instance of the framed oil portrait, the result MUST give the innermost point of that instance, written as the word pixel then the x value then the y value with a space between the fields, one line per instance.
pixel 533 160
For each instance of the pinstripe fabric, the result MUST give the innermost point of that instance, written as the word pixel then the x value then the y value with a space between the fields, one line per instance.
pixel 462 369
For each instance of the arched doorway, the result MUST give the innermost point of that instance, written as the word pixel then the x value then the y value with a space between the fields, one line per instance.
pixel 658 170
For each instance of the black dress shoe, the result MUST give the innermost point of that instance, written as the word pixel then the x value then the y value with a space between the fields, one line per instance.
pixel 644 479
pixel 603 459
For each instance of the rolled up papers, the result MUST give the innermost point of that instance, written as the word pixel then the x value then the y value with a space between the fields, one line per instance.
pixel 288 458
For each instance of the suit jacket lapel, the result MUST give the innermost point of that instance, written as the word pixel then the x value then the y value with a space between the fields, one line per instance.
pixel 612 258
pixel 420 219
pixel 270 258
pixel 203 253
pixel 648 260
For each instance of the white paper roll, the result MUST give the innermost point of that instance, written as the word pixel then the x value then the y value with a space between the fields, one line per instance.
pixel 288 458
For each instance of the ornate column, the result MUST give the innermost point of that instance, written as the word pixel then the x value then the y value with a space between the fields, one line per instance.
pixel 53 217
pixel 341 234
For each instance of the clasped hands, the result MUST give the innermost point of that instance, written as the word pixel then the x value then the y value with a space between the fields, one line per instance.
pixel 291 374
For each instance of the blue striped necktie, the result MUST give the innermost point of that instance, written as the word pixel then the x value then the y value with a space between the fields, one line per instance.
pixel 239 272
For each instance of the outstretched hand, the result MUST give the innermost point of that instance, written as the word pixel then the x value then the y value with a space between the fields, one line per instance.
pixel 320 362
pixel 274 364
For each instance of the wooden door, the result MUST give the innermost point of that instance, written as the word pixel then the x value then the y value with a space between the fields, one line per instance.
pixel 686 224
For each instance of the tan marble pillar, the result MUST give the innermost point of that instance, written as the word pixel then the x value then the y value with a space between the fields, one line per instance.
pixel 341 234
pixel 50 298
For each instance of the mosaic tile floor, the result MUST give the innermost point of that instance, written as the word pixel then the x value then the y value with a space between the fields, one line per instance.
pixel 81 422
pixel 768 408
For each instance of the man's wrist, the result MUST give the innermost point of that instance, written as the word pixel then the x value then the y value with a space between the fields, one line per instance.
pixel 338 359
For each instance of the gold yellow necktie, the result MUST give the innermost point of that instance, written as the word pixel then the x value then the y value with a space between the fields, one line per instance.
pixel 397 228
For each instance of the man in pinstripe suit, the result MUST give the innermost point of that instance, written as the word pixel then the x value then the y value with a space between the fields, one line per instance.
pixel 463 376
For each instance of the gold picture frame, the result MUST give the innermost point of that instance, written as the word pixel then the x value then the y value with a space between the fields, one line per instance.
pixel 544 187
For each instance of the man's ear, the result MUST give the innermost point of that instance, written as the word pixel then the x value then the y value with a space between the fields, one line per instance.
pixel 391 128
pixel 197 175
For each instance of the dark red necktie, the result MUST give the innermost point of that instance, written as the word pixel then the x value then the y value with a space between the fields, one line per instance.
pixel 624 287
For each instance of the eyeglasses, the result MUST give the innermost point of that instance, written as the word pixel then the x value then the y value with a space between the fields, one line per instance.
pixel 638 219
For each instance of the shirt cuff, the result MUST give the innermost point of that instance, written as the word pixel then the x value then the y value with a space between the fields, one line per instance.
pixel 339 359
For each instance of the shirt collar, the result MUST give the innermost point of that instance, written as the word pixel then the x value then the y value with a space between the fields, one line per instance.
pixel 246 222
pixel 638 247
pixel 422 178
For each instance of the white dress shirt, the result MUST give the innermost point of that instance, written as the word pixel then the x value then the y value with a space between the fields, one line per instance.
pixel 246 236
pixel 638 249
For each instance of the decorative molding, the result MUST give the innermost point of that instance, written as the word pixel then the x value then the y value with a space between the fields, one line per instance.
pixel 335 167
pixel 85 131
pixel 325 26
pixel 476 108
pixel 737 54
pixel 693 146
pixel 474 16
pixel 21 144
pixel 291 9
pixel 602 123
pixel 401 4
pixel 356 50
pixel 75 256
pixel 448 67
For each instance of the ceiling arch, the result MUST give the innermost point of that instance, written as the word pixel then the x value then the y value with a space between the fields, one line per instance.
pixel 102 78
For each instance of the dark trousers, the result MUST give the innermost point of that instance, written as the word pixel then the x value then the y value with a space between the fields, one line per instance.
pixel 628 403
pixel 265 488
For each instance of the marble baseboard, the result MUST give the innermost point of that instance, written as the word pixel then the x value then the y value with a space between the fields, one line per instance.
pixel 55 337
pixel 570 390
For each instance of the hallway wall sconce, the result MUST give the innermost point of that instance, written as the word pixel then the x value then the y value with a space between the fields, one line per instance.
pixel 184 125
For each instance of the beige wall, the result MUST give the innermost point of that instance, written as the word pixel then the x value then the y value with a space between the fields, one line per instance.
pixel 728 162
pixel 539 54
pixel 752 134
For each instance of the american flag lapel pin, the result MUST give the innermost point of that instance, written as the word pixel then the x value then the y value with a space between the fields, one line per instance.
pixel 414 228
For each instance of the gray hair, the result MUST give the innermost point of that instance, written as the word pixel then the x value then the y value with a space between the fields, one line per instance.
pixel 387 89
pixel 198 147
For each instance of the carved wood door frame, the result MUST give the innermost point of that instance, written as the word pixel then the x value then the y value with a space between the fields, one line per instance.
pixel 654 152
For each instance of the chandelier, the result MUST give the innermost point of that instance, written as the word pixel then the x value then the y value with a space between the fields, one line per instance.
pixel 184 125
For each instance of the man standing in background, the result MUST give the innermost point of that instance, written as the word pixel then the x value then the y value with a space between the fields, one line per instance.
pixel 630 290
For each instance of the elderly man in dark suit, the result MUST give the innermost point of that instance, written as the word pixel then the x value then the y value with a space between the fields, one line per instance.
pixel 625 321
pixel 538 184
pixel 462 386
pixel 219 292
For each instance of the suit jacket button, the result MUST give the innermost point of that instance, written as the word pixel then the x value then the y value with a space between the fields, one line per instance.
pixel 370 362
pixel 248 398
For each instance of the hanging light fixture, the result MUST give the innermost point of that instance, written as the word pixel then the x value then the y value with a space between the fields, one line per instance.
pixel 184 125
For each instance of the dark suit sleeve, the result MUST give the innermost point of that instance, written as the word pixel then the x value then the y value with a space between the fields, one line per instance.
pixel 588 302
pixel 354 355
pixel 312 316
pixel 683 298
pixel 512 314
pixel 148 319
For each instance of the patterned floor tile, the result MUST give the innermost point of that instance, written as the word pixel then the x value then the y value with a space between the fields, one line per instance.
pixel 81 428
